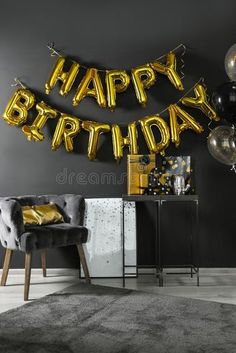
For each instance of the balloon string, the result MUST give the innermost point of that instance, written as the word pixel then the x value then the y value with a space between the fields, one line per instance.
pixel 182 61
pixel 233 168
pixel 18 83
pixel 201 80
pixel 184 49
pixel 180 46
pixel 55 52
pixel 208 99
pixel 209 125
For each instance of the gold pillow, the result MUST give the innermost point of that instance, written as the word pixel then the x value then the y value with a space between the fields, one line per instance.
pixel 41 214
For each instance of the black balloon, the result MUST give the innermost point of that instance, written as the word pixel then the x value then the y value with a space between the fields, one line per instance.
pixel 224 101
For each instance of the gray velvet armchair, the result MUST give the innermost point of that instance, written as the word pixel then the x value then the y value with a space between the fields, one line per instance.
pixel 15 236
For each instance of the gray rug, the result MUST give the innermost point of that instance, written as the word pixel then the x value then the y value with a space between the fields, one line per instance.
pixel 94 319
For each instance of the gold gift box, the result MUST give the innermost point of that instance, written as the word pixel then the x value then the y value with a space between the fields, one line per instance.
pixel 138 168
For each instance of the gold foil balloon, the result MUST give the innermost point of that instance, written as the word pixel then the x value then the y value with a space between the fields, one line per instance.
pixel 95 129
pixel 169 69
pixel 66 77
pixel 146 125
pixel 67 128
pixel 33 132
pixel 119 142
pixel 200 101
pixel 16 112
pixel 188 122
pixel 117 81
pixel 91 77
pixel 143 77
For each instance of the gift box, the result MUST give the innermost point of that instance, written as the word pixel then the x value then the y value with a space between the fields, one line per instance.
pixel 177 165
pixel 160 179
pixel 138 168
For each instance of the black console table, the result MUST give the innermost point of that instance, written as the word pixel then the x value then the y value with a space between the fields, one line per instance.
pixel 158 201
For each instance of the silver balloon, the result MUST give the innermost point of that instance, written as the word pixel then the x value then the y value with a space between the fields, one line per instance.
pixel 230 63
pixel 222 144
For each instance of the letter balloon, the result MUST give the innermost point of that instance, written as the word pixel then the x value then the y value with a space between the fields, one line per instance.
pixel 66 77
pixel 91 77
pixel 67 128
pixel 119 142
pixel 169 69
pixel 188 122
pixel 146 125
pixel 34 131
pixel 16 112
pixel 117 81
pixel 200 101
pixel 95 129
pixel 143 77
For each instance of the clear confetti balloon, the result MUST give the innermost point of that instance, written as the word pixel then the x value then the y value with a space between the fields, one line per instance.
pixel 230 63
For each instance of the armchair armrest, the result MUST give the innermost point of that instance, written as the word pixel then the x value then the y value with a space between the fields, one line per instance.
pixel 71 205
pixel 74 208
pixel 11 223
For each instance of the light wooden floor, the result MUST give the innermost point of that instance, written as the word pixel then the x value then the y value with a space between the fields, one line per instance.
pixel 217 285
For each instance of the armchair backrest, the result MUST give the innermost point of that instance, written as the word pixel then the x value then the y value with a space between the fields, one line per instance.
pixel 11 220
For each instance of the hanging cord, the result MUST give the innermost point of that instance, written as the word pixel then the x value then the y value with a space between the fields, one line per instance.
pixel 209 125
pixel 180 46
pixel 201 80
pixel 18 83
pixel 182 61
pixel 175 50
pixel 233 168
pixel 208 99
pixel 55 52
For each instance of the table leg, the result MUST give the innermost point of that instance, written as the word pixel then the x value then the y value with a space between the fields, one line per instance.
pixel 197 241
pixel 158 230
pixel 156 240
pixel 189 216
pixel 191 238
pixel 123 244
pixel 136 227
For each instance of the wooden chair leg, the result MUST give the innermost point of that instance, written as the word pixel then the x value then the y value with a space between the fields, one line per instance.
pixel 28 261
pixel 6 266
pixel 84 263
pixel 43 260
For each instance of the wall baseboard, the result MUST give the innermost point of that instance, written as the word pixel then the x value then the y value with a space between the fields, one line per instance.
pixel 52 271
pixel 211 271
pixel 203 270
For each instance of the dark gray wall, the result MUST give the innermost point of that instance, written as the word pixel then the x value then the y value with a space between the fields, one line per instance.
pixel 117 34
